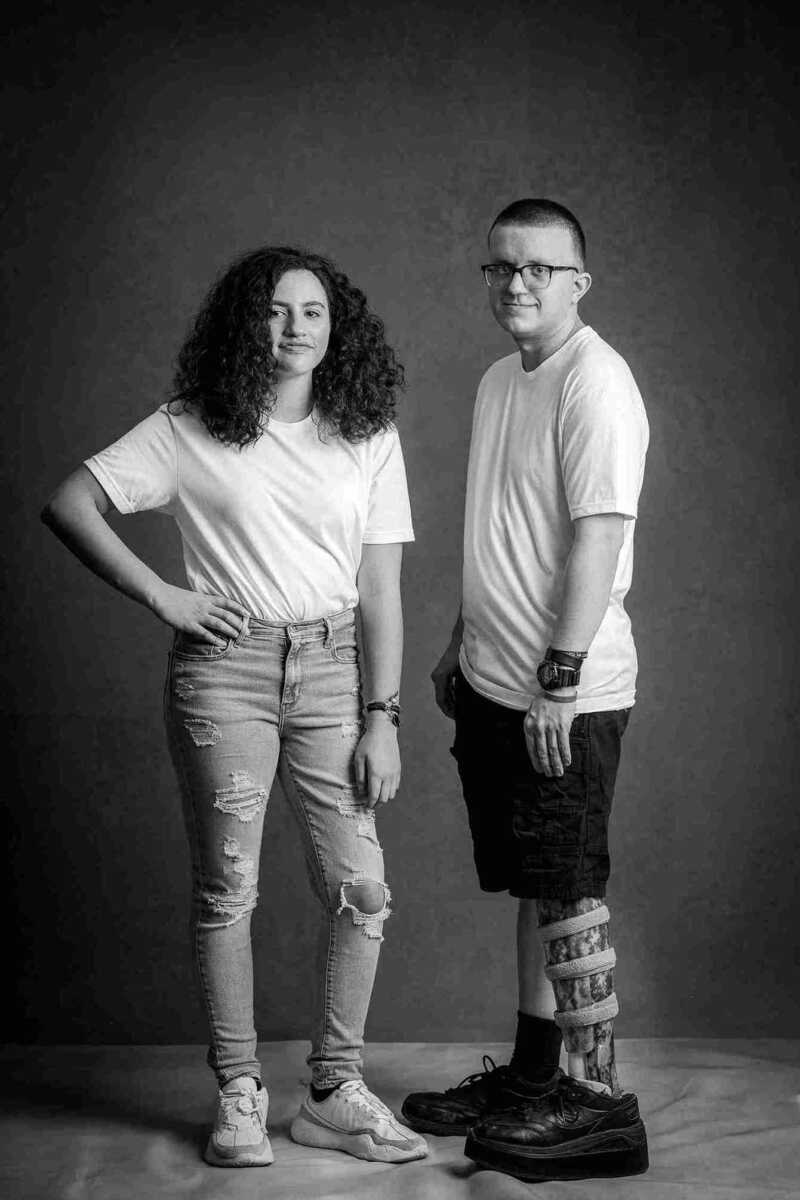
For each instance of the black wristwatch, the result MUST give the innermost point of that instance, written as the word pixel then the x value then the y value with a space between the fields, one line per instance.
pixel 560 669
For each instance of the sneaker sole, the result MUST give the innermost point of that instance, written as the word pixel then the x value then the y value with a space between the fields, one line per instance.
pixel 440 1128
pixel 249 1156
pixel 360 1145
pixel 610 1154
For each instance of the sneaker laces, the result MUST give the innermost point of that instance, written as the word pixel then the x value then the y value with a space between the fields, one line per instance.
pixel 356 1092
pixel 244 1103
pixel 478 1076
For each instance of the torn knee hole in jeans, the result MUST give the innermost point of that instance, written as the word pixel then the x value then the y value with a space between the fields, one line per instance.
pixel 244 799
pixel 183 689
pixel 237 902
pixel 360 893
pixel 350 730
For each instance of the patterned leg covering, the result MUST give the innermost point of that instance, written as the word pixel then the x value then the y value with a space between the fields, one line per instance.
pixel 580 966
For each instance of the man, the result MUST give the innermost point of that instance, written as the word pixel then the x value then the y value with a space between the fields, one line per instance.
pixel 540 677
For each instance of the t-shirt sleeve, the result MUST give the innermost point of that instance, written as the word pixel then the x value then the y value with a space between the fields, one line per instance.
pixel 140 471
pixel 603 441
pixel 389 511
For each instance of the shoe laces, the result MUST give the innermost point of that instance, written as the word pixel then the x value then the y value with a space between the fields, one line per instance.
pixel 565 1098
pixel 244 1104
pixel 478 1076
pixel 573 1091
pixel 566 1107
pixel 356 1092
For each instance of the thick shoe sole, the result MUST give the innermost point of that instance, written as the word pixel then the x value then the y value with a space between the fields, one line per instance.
pixel 440 1128
pixel 247 1156
pixel 610 1154
pixel 360 1145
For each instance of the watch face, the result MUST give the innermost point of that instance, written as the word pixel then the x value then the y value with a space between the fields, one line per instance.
pixel 547 674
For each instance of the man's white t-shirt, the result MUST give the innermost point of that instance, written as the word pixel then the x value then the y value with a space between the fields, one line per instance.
pixel 566 440
pixel 278 525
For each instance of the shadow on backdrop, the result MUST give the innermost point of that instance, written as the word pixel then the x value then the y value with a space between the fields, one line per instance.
pixel 148 149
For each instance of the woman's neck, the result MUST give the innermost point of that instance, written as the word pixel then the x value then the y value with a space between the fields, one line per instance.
pixel 293 399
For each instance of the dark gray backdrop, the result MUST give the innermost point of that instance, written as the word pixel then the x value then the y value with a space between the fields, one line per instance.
pixel 149 146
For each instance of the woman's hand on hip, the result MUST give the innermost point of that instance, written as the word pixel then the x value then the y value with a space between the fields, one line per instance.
pixel 208 618
pixel 377 760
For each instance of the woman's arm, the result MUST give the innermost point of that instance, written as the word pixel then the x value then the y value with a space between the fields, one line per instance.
pixel 76 513
pixel 378 755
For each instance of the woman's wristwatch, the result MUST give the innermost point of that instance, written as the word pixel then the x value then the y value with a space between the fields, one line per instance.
pixel 560 669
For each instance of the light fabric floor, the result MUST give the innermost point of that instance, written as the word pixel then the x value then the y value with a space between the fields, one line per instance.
pixel 129 1123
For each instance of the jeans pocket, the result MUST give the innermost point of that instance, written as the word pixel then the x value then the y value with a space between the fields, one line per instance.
pixel 192 647
pixel 343 646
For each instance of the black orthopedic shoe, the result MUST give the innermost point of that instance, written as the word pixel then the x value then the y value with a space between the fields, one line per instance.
pixel 572 1132
pixel 457 1109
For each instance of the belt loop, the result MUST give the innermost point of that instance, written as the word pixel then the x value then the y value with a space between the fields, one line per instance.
pixel 328 632
pixel 244 631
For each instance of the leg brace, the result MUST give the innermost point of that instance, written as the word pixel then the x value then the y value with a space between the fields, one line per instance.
pixel 578 1025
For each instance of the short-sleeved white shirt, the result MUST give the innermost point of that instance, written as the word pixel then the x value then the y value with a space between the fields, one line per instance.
pixel 277 525
pixel 563 441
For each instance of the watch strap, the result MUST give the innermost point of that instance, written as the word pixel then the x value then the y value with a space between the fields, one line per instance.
pixel 566 658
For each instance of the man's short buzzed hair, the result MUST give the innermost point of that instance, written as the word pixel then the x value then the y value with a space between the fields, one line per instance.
pixel 540 213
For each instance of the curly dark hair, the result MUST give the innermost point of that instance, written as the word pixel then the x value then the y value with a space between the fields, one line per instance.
pixel 226 369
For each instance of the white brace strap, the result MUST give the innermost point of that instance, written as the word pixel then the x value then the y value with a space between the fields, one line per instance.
pixel 577 924
pixel 601 1010
pixel 576 968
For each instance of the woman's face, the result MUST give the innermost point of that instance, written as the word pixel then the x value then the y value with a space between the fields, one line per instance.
pixel 299 323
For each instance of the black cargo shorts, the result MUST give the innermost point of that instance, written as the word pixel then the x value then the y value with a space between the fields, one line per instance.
pixel 534 836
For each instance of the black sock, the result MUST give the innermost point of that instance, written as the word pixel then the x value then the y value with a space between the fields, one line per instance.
pixel 537 1048
pixel 322 1093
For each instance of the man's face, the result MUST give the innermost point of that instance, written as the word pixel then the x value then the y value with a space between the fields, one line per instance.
pixel 525 313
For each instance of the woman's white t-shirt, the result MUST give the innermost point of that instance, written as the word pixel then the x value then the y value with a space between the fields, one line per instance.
pixel 277 525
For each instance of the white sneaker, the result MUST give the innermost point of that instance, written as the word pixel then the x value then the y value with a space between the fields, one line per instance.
pixel 239 1137
pixel 354 1120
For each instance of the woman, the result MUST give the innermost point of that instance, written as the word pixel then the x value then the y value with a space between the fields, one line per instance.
pixel 279 461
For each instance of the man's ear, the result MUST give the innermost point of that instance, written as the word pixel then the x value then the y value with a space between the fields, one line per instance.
pixel 582 281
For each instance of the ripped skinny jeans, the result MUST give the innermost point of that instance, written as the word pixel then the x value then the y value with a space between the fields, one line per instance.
pixel 282 698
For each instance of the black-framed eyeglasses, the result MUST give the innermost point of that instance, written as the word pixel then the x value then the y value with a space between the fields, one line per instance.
pixel 535 276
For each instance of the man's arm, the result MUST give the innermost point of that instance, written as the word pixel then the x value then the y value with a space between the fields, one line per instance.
pixel 589 577
pixel 444 673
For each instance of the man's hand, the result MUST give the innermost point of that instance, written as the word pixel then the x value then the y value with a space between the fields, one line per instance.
pixel 377 760
pixel 207 618
pixel 547 725
pixel 443 676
